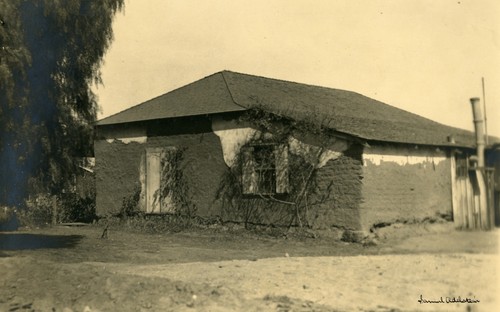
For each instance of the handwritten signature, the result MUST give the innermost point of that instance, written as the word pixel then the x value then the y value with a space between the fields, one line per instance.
pixel 442 299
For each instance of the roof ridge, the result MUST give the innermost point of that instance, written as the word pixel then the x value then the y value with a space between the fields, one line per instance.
pixel 229 89
pixel 158 96
pixel 286 81
pixel 330 88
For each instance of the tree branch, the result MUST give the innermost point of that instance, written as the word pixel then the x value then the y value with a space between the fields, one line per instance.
pixel 271 198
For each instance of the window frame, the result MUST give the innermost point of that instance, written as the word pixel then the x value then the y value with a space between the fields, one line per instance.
pixel 253 169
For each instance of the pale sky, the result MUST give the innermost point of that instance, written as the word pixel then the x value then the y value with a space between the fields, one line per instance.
pixel 426 57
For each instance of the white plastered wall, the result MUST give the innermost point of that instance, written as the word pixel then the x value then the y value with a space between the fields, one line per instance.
pixel 233 136
pixel 376 155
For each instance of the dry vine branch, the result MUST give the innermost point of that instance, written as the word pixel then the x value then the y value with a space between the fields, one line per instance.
pixel 302 192
pixel 276 129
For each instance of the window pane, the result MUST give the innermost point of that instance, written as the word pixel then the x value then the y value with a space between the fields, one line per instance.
pixel 267 181
pixel 264 156
pixel 262 167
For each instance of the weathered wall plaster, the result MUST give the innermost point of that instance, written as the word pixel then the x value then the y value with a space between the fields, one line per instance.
pixel 141 139
pixel 338 181
pixel 376 156
pixel 403 183
pixel 379 184
pixel 310 152
pixel 234 136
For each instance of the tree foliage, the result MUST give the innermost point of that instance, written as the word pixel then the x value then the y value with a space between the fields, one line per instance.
pixel 50 55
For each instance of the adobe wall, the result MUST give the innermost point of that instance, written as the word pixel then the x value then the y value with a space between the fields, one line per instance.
pixel 117 173
pixel 338 192
pixel 341 209
pixel 338 181
pixel 118 164
pixel 209 154
pixel 404 183
pixel 210 149
pixel 380 184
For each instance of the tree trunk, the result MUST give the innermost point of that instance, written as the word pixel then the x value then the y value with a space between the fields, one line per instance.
pixel 54 209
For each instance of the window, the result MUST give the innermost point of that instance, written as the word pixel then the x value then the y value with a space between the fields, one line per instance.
pixel 265 169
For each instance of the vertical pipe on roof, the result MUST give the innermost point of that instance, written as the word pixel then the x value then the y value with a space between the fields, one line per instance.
pixel 479 129
pixel 484 108
pixel 484 211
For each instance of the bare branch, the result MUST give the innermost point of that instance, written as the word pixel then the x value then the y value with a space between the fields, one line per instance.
pixel 271 198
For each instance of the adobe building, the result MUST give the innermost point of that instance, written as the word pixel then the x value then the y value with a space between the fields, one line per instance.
pixel 249 149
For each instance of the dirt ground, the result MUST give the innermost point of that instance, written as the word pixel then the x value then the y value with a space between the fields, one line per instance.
pixel 73 269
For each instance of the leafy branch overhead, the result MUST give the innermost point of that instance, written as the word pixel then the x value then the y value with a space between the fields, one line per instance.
pixel 50 55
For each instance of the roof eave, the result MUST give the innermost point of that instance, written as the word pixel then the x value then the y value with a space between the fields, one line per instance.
pixel 99 123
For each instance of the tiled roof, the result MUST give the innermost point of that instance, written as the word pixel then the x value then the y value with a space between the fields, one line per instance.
pixel 344 111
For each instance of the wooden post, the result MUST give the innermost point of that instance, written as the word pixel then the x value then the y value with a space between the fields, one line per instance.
pixel 490 188
pixel 456 195
pixel 483 202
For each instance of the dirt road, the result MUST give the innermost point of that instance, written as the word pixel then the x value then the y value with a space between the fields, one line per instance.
pixel 199 271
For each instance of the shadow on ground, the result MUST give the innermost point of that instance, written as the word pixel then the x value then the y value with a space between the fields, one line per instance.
pixel 12 241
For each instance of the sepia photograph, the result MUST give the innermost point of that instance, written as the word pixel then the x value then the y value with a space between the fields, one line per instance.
pixel 182 155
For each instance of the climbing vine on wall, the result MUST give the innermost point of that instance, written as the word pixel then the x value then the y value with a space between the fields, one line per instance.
pixel 174 189
pixel 173 196
pixel 255 204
